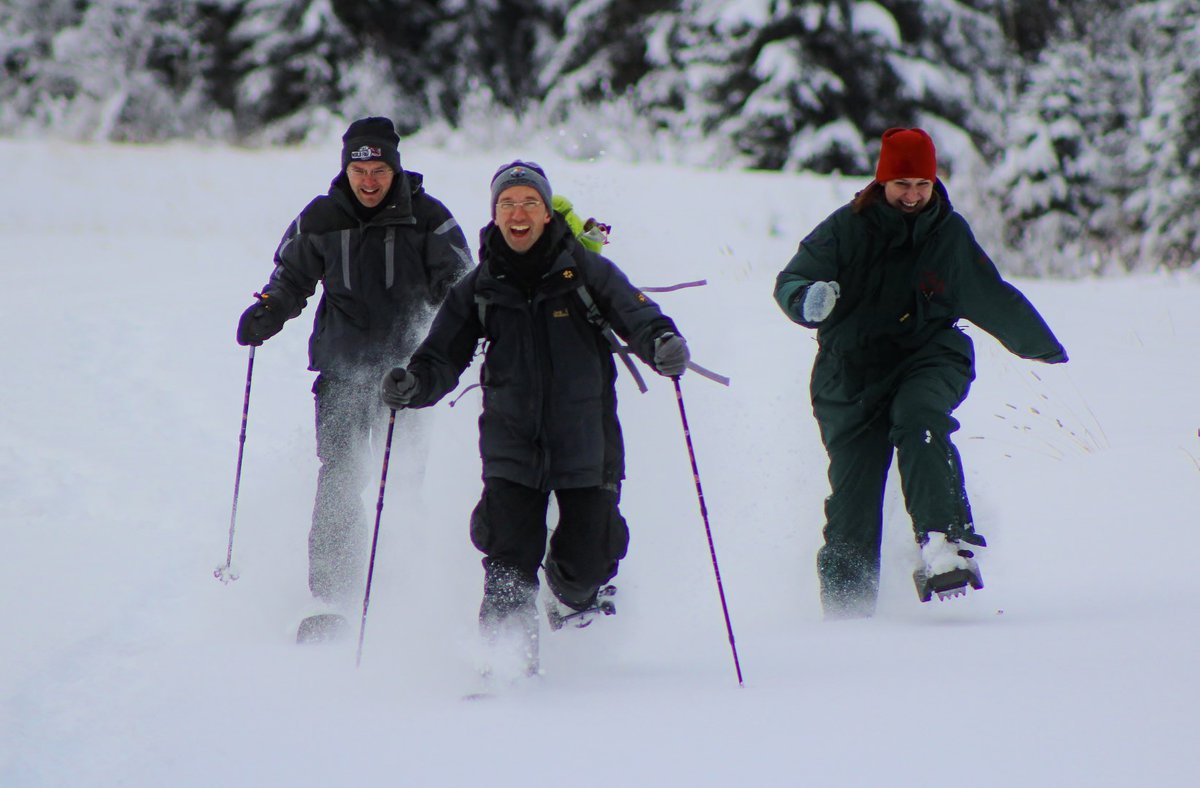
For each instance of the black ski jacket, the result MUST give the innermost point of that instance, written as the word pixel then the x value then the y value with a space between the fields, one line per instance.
pixel 381 278
pixel 549 416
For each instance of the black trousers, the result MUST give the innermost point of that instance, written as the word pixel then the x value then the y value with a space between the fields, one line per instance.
pixel 509 527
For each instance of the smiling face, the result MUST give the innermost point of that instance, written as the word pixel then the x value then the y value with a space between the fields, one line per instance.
pixel 522 216
pixel 908 195
pixel 370 181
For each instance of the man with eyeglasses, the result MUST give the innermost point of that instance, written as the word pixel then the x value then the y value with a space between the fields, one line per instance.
pixel 549 421
pixel 385 253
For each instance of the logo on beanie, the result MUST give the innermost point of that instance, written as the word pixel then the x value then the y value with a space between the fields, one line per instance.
pixel 367 152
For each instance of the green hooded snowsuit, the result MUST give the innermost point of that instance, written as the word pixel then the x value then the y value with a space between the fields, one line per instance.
pixel 892 366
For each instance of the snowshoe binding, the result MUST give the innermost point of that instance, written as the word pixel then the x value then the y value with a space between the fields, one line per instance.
pixel 560 615
pixel 948 567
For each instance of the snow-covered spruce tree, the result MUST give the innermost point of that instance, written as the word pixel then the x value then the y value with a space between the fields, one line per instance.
pixel 797 85
pixel 108 69
pixel 287 59
pixel 806 84
pixel 33 87
pixel 1164 159
pixel 598 52
pixel 395 65
pixel 493 48
pixel 1084 182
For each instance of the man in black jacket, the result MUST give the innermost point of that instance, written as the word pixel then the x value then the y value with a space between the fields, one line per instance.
pixel 385 253
pixel 549 420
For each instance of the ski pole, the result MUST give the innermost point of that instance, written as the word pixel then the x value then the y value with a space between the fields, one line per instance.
pixel 387 453
pixel 226 573
pixel 687 435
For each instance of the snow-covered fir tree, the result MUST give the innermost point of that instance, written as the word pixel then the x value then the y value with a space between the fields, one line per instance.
pixel 1164 159
pixel 1078 118
pixel 1094 170
pixel 109 69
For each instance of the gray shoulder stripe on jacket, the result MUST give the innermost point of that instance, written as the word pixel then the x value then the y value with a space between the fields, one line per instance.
pixel 446 226
pixel 463 254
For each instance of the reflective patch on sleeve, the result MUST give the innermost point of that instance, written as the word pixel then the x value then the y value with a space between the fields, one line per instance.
pixel 463 254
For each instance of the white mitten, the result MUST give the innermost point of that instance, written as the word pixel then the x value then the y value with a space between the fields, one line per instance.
pixel 819 300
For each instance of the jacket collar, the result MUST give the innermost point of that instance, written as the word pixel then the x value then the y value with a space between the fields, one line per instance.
pixel 398 205
pixel 553 243
pixel 899 228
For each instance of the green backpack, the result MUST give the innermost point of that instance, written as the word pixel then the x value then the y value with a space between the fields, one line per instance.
pixel 591 233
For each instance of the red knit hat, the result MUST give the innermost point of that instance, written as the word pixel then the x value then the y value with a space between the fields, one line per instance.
pixel 906 153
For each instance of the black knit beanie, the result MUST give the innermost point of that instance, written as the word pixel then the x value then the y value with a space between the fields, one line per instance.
pixel 371 139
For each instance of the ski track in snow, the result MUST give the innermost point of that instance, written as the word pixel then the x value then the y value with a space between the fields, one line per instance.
pixel 127 664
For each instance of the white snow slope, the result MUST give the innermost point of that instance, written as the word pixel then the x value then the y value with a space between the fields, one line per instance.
pixel 124 663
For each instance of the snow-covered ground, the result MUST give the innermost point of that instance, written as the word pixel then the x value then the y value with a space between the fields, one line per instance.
pixel 125 663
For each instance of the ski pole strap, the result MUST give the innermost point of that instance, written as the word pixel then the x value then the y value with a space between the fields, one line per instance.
pixel 671 288
pixel 707 373
pixel 699 370
pixel 463 393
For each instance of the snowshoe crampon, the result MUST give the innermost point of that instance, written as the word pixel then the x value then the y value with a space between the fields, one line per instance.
pixel 561 616
pixel 948 584
pixel 321 628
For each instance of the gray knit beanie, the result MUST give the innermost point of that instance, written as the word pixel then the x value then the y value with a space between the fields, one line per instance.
pixel 521 173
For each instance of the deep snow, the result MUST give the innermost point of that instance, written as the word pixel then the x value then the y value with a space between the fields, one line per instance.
pixel 126 663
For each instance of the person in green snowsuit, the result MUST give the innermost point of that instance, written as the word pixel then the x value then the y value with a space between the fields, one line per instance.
pixel 884 280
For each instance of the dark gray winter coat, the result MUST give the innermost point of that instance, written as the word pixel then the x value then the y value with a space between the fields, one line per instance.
pixel 549 416
pixel 381 278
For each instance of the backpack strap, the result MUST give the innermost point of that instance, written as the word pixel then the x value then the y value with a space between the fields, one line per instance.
pixel 597 319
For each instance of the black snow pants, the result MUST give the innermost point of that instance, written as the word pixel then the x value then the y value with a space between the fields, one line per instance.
pixel 508 526
pixel 865 414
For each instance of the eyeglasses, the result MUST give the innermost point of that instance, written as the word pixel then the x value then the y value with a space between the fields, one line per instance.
pixel 376 172
pixel 508 206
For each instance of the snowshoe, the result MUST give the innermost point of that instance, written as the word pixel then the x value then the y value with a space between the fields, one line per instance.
pixel 321 627
pixel 560 615
pixel 948 568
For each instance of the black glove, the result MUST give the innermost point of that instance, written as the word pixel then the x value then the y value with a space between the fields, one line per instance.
pixel 671 355
pixel 398 388
pixel 261 321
